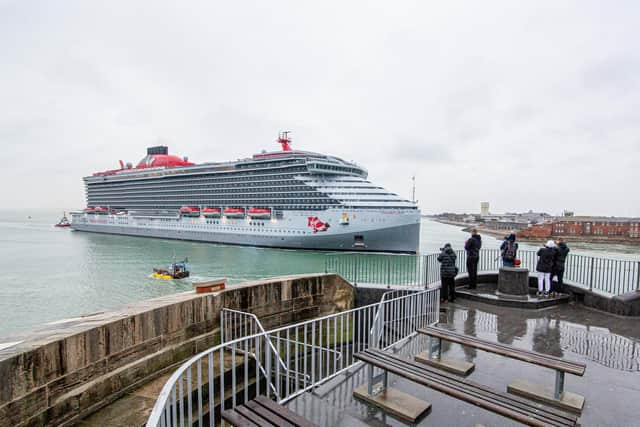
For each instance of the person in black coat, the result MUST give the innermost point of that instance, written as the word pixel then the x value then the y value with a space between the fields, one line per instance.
pixel 472 246
pixel 448 272
pixel 561 252
pixel 546 257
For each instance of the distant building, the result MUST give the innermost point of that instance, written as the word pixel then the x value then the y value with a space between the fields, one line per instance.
pixel 600 228
pixel 505 225
pixel 597 226
pixel 484 208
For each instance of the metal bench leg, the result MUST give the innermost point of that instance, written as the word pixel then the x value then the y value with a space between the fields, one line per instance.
pixel 372 380
pixel 433 357
pixel 435 348
pixel 559 389
pixel 390 400
pixel 554 397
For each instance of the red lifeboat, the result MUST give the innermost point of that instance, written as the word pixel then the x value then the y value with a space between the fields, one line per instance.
pixel 89 209
pixel 189 211
pixel 211 211
pixel 234 212
pixel 259 212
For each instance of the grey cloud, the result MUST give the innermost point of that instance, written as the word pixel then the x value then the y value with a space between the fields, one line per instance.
pixel 420 151
pixel 475 92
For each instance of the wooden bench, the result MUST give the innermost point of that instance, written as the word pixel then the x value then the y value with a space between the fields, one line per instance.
pixel 505 404
pixel 559 397
pixel 264 412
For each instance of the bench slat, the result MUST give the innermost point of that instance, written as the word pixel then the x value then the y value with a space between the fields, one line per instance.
pixel 267 414
pixel 517 409
pixel 547 361
pixel 283 412
pixel 233 417
pixel 254 417
pixel 466 386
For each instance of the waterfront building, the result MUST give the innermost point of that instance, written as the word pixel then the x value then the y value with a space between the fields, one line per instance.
pixel 289 199
pixel 587 228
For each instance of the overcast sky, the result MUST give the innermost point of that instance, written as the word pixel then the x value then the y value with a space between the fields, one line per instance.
pixel 530 105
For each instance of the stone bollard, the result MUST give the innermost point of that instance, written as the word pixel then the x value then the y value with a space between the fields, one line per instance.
pixel 513 281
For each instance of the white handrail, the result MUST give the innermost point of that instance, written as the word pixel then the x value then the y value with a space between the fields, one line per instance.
pixel 344 334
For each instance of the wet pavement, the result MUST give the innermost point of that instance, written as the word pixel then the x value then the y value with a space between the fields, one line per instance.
pixel 487 293
pixel 609 345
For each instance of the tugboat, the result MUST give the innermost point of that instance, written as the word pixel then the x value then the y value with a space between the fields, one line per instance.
pixel 177 270
pixel 64 222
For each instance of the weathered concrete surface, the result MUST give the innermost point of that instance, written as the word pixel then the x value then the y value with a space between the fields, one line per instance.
pixel 622 305
pixel 609 345
pixel 513 281
pixel 65 371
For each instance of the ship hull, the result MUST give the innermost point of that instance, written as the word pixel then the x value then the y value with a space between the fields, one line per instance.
pixel 401 238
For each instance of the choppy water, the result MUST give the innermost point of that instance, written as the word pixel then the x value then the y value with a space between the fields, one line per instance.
pixel 50 273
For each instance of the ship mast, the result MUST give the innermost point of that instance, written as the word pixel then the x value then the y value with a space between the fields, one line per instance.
pixel 413 193
pixel 284 140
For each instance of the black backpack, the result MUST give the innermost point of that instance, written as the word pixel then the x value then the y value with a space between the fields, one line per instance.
pixel 509 253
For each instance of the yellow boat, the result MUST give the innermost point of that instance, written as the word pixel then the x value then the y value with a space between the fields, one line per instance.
pixel 160 274
pixel 177 270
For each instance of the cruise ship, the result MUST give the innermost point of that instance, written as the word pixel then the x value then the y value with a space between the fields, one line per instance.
pixel 282 199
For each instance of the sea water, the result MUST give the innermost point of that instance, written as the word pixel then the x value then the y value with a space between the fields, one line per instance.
pixel 49 273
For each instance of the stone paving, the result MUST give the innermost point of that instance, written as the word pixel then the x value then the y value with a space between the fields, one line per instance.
pixel 609 345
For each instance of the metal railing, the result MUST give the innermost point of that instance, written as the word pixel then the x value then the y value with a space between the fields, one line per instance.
pixel 604 275
pixel 236 324
pixel 288 361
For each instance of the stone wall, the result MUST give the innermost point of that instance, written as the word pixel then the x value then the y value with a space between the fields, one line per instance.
pixel 67 370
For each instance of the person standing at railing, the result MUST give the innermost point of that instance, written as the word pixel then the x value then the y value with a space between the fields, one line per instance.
pixel 472 246
pixel 546 256
pixel 509 251
pixel 560 257
pixel 448 273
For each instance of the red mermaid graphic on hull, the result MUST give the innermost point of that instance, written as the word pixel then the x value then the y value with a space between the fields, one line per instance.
pixel 317 225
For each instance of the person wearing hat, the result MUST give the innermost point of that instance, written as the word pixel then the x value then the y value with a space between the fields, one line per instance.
pixel 546 256
pixel 448 272
pixel 509 251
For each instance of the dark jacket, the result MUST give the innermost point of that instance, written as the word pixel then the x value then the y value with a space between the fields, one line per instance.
pixel 545 260
pixel 505 245
pixel 473 245
pixel 447 259
pixel 561 252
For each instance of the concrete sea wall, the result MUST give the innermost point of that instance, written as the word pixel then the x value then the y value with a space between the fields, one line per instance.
pixel 66 370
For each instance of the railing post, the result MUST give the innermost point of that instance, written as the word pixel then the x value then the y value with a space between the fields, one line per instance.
pixel 388 270
pixel 591 276
pixel 355 280
pixel 426 271
pixel 638 276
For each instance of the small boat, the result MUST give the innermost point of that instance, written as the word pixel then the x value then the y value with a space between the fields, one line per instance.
pixel 209 212
pixel 234 212
pixel 259 213
pixel 177 270
pixel 189 211
pixel 64 222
